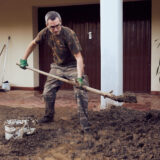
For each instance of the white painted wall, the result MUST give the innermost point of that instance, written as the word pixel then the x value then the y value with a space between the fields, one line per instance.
pixel 16 21
pixel 111 48
pixel 155 52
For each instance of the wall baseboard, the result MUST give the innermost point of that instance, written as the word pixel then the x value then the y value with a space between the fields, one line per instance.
pixel 155 92
pixel 25 88
pixel 38 89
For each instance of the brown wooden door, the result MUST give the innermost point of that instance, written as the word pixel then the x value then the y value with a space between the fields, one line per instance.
pixel 137 46
pixel 85 21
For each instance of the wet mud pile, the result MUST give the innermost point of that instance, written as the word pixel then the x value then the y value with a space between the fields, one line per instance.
pixel 117 133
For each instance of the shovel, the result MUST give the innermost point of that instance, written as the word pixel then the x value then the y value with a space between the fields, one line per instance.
pixel 2 49
pixel 5 84
pixel 126 98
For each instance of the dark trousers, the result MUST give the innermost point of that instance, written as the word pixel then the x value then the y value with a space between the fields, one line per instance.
pixel 52 85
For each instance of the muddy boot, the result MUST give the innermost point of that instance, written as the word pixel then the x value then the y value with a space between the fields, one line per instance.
pixel 49 111
pixel 82 102
pixel 86 127
pixel 45 120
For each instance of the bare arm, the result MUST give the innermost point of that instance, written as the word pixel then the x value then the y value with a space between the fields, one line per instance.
pixel 80 65
pixel 29 49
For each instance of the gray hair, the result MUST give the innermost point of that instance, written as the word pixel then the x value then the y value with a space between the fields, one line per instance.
pixel 52 15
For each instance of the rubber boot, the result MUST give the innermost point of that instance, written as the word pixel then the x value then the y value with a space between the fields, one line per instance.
pixel 82 102
pixel 49 110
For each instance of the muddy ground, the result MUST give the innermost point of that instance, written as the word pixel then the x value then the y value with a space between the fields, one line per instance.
pixel 117 134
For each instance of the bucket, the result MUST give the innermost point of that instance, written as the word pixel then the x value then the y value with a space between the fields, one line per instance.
pixel 17 128
pixel 6 86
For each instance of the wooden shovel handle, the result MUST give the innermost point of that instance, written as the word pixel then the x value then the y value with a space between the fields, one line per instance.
pixel 93 90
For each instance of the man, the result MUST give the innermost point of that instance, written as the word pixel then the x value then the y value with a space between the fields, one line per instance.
pixel 67 63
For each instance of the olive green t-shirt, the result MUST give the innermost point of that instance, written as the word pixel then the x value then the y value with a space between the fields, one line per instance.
pixel 63 46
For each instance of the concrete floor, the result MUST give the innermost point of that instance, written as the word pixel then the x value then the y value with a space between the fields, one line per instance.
pixel 29 99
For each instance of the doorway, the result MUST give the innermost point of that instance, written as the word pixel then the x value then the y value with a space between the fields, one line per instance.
pixel 85 21
pixel 137 46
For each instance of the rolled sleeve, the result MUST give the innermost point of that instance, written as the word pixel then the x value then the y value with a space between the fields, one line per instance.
pixel 40 36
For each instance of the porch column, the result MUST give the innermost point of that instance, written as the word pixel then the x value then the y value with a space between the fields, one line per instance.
pixel 111 47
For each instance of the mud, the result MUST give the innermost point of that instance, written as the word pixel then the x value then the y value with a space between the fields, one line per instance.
pixel 127 97
pixel 116 134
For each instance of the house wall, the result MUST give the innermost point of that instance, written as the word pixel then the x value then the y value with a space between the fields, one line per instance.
pixel 15 21
pixel 155 52
pixel 18 22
